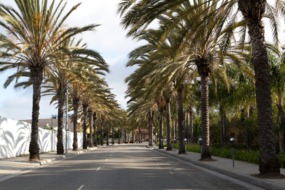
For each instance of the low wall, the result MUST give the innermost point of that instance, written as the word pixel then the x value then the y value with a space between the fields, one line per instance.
pixel 15 138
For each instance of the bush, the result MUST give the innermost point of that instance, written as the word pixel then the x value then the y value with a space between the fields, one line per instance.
pixel 282 160
pixel 242 153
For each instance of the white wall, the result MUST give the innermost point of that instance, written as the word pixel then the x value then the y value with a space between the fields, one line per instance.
pixel 15 138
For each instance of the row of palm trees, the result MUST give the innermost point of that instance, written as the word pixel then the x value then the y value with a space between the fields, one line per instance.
pixel 191 44
pixel 44 53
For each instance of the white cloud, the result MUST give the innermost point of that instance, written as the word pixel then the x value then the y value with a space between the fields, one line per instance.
pixel 108 39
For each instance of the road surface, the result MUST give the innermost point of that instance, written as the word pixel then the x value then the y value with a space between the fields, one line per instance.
pixel 123 167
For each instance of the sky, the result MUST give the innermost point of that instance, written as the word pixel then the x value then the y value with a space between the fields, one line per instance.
pixel 108 39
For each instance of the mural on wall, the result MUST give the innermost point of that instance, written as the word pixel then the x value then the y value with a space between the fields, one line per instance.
pixel 15 138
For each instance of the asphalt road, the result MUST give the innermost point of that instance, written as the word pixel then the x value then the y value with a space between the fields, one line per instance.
pixel 126 167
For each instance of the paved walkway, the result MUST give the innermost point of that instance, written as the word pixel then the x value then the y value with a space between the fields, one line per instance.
pixel 242 170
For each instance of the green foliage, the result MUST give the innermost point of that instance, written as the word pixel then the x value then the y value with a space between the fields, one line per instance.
pixel 282 160
pixel 241 153
pixel 246 155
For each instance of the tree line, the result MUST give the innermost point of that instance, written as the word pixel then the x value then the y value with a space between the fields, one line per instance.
pixel 44 53
pixel 207 57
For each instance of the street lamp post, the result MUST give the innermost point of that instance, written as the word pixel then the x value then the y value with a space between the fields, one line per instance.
pixel 200 141
pixel 232 141
pixel 53 132
pixel 185 142
pixel 66 121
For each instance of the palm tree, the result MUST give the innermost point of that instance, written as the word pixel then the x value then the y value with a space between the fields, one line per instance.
pixel 138 14
pixel 70 59
pixel 90 117
pixel 253 12
pixel 75 94
pixel 85 109
pixel 95 128
pixel 35 32
pixel 170 68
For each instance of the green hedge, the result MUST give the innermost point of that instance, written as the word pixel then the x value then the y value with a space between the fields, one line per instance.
pixel 241 153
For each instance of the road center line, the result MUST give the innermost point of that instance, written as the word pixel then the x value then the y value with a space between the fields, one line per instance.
pixel 81 187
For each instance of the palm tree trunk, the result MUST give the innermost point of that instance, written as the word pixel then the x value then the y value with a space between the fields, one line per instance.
pixel 119 133
pixel 102 134
pixel 173 129
pixel 85 108
pixel 94 128
pixel 180 119
pixel 252 12
pixel 123 134
pixel 191 125
pixel 160 129
pixel 168 112
pixel 140 135
pixel 90 114
pixel 107 143
pixel 75 117
pixel 205 153
pixel 133 136
pixel 61 98
pixel 281 123
pixel 150 127
pixel 34 150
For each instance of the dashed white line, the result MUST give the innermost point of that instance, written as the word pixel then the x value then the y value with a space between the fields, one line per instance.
pixel 98 169
pixel 171 173
pixel 81 187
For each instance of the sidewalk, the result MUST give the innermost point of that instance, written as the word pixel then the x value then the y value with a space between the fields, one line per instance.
pixel 11 167
pixel 242 170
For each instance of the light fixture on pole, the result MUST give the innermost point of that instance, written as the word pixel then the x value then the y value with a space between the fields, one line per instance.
pixel 232 141
pixel 200 142
pixel 66 123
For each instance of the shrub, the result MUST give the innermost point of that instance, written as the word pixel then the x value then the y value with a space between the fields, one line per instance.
pixel 242 153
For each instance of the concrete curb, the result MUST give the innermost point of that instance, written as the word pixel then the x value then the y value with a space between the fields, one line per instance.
pixel 48 161
pixel 67 156
pixel 246 178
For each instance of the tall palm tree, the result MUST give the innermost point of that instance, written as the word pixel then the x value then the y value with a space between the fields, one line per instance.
pixel 85 111
pixel 153 62
pixel 253 12
pixel 90 117
pixel 139 14
pixel 35 32
pixel 71 58
pixel 74 92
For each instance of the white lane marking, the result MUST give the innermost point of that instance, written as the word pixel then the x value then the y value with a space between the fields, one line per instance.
pixel 170 172
pixel 98 169
pixel 106 159
pixel 81 187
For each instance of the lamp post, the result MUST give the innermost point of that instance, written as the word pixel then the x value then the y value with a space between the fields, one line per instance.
pixel 102 136
pixel 185 142
pixel 232 141
pixel 66 121
pixel 200 141
pixel 53 132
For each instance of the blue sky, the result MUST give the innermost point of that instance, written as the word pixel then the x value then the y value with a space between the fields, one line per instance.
pixel 108 39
